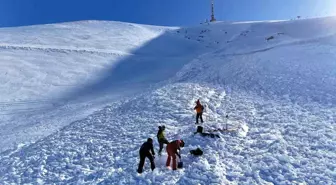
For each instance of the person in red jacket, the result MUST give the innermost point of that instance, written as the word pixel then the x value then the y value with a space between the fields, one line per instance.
pixel 199 111
pixel 173 148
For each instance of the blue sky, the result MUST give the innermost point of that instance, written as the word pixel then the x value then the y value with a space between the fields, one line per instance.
pixel 157 12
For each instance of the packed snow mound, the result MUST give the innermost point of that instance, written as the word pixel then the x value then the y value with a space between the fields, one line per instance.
pixel 274 81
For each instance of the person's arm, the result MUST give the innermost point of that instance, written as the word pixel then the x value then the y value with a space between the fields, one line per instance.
pixel 152 149
pixel 178 153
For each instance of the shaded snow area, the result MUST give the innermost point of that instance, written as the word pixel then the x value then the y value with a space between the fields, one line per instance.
pixel 79 99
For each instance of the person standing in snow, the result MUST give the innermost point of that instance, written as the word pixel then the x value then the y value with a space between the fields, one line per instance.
pixel 173 149
pixel 146 150
pixel 161 138
pixel 199 111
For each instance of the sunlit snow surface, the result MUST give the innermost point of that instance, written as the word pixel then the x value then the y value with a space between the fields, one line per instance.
pixel 77 100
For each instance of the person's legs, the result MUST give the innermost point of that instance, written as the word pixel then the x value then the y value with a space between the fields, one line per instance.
pixel 151 159
pixel 170 154
pixel 201 117
pixel 197 116
pixel 141 163
pixel 174 162
pixel 161 142
pixel 161 146
pixel 168 160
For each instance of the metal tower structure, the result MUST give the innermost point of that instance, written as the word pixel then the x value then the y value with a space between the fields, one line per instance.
pixel 213 19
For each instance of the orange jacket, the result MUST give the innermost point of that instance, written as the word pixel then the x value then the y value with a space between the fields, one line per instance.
pixel 199 108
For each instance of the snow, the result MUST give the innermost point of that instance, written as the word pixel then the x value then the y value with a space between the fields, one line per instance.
pixel 78 100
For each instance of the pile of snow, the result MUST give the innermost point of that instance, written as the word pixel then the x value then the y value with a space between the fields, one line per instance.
pixel 274 80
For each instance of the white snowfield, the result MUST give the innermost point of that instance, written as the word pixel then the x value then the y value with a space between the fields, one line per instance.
pixel 78 99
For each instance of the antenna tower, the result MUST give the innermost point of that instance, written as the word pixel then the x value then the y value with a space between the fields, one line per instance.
pixel 212 12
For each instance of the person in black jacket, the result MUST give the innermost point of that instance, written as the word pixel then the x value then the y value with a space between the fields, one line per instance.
pixel 146 150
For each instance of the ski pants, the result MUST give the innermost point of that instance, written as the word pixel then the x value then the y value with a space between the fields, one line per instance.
pixel 171 154
pixel 199 115
pixel 161 142
pixel 142 161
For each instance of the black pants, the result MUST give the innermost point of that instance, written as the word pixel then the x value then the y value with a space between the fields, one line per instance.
pixel 161 142
pixel 199 115
pixel 142 161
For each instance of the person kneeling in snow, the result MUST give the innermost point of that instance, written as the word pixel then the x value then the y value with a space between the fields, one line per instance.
pixel 146 150
pixel 173 149
pixel 161 138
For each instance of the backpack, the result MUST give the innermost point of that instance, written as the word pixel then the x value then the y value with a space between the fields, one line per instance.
pixel 199 129
pixel 197 152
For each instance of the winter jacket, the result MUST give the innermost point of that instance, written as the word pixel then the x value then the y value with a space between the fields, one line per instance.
pixel 199 108
pixel 146 148
pixel 173 147
pixel 160 135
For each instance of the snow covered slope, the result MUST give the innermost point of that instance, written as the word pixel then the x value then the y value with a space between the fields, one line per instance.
pixel 275 80
pixel 44 69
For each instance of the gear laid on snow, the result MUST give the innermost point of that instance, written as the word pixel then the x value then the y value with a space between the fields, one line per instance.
pixel 196 152
pixel 200 131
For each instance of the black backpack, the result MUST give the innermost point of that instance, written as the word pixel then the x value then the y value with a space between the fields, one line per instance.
pixel 197 152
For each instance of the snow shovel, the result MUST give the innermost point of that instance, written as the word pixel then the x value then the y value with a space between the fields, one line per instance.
pixel 180 165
